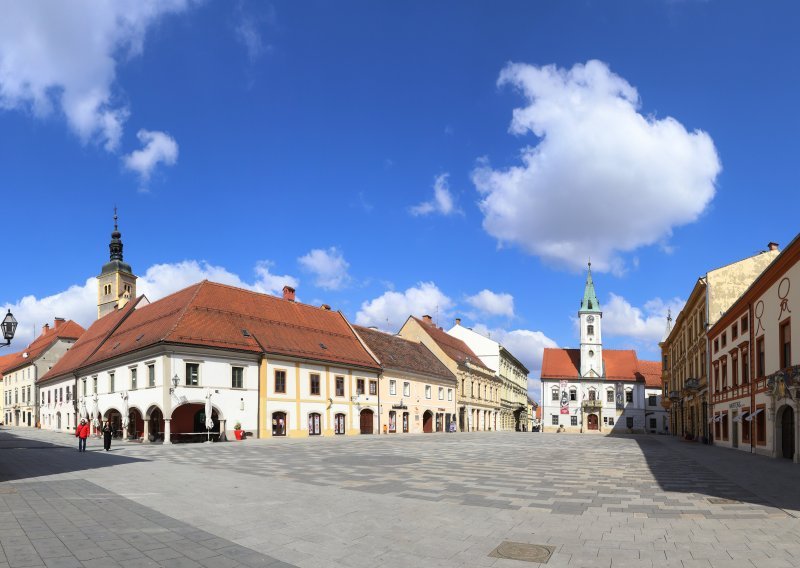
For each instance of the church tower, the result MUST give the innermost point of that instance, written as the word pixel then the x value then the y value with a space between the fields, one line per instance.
pixel 116 284
pixel 591 331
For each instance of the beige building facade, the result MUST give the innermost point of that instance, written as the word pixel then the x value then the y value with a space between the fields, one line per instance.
pixel 684 350
pixel 478 388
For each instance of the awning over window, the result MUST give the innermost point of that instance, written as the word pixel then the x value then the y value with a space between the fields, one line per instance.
pixel 741 417
pixel 756 413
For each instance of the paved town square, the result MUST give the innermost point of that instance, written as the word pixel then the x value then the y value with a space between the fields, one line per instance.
pixel 442 500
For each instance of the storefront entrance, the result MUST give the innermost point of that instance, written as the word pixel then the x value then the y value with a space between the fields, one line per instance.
pixel 278 423
pixel 367 421
pixel 427 422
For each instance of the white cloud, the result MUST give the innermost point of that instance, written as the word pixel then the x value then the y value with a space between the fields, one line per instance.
pixel 442 202
pixel 602 178
pixel 492 303
pixel 646 324
pixel 391 309
pixel 63 56
pixel 329 266
pixel 249 28
pixel 79 302
pixel 159 148
pixel 527 346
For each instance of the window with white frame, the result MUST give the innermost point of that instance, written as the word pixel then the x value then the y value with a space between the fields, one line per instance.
pixel 406 389
pixel 151 375
pixel 111 386
pixel 428 391
pixel 629 395
pixel 441 393
pixel 554 419
pixel 237 377
pixel 392 387
pixel 609 395
pixel 134 378
pixel 192 374
pixel 449 394
pixel 554 394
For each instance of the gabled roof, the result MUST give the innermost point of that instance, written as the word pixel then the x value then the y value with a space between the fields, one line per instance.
pixel 88 343
pixel 618 364
pixel 395 352
pixel 67 330
pixel 452 346
pixel 209 314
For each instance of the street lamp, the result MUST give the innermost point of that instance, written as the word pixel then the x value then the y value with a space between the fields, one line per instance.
pixel 9 326
pixel 175 381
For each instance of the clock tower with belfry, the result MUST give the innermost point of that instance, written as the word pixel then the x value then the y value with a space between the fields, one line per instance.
pixel 116 284
pixel 591 318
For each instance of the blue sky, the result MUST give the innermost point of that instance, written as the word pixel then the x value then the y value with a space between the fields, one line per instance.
pixel 370 154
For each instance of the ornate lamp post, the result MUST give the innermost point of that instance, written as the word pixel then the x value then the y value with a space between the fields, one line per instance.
pixel 9 327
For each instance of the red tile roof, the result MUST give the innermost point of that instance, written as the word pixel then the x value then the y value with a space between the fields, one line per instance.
pixel 452 346
pixel 652 373
pixel 89 342
pixel 5 360
pixel 395 352
pixel 67 330
pixel 619 364
pixel 216 315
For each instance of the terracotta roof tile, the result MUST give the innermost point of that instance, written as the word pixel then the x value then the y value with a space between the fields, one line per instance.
pixel 452 346
pixel 67 330
pixel 652 373
pixel 395 352
pixel 216 315
pixel 88 343
pixel 620 365
pixel 6 360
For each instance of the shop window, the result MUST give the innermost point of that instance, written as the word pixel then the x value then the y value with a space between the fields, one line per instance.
pixel 392 421
pixel 746 425
pixel 338 424
pixel 314 424
pixel 724 426
pixel 717 420
pixel 761 426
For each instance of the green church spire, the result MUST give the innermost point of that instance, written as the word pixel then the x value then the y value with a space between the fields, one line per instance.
pixel 589 302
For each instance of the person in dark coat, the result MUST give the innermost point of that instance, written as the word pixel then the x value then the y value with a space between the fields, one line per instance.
pixel 82 432
pixel 107 432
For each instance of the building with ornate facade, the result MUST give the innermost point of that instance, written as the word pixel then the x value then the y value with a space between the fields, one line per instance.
pixel 592 389
pixel 684 350
pixel 417 391
pixel 755 367
pixel 478 387
pixel 513 376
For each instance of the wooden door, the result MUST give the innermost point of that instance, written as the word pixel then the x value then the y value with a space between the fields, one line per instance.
pixel 592 421
pixel 787 432
pixel 366 421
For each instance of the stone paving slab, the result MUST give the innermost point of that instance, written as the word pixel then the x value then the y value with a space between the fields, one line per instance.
pixel 436 500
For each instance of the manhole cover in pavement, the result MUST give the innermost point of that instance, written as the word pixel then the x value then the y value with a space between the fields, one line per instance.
pixel 522 551
pixel 722 501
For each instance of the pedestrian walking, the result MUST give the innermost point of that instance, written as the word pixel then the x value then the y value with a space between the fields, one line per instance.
pixel 82 432
pixel 107 432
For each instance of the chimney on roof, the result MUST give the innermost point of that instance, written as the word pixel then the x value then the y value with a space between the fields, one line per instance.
pixel 458 321
pixel 58 322
pixel 288 293
pixel 45 328
pixel 325 307
pixel 772 246
pixel 427 319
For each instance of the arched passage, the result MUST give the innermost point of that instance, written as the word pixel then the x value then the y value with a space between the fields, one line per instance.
pixel 115 419
pixel 188 423
pixel 155 424
pixel 135 424
pixel 427 422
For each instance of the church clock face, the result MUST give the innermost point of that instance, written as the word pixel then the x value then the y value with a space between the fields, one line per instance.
pixel 590 319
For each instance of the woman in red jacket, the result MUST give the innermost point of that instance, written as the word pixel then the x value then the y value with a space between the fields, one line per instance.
pixel 82 432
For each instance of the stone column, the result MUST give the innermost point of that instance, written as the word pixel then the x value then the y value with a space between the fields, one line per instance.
pixel 146 432
pixel 167 430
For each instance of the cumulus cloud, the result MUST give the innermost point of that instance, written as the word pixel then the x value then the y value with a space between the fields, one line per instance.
pixel 391 309
pixel 159 148
pixel 79 302
pixel 249 28
pixel 63 56
pixel 602 179
pixel 328 266
pixel 442 202
pixel 645 324
pixel 492 303
pixel 527 346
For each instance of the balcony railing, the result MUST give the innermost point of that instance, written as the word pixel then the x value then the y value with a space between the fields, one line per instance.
pixel 592 404
pixel 674 395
